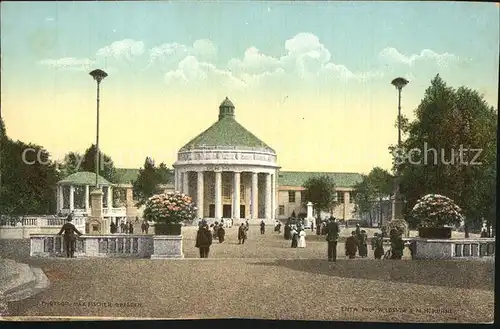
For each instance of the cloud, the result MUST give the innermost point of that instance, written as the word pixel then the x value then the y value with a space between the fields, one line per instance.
pixel 392 55
pixel 68 63
pixel 253 62
pixel 125 49
pixel 171 53
pixel 204 48
pixel 192 71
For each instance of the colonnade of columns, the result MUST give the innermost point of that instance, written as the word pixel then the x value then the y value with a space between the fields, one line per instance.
pixel 60 197
pixel 182 184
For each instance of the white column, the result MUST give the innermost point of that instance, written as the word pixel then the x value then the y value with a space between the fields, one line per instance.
pixel 255 196
pixel 185 182
pixel 110 197
pixel 60 198
pixel 268 196
pixel 87 203
pixel 200 194
pixel 71 198
pixel 175 180
pixel 218 195
pixel 236 195
pixel 273 182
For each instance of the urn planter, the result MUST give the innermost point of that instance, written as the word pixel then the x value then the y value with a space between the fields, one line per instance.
pixel 434 232
pixel 168 229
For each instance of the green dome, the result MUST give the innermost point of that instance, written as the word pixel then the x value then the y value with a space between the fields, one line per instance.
pixel 226 132
pixel 83 178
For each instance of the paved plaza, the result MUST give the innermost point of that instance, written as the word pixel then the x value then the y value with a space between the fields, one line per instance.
pixel 264 278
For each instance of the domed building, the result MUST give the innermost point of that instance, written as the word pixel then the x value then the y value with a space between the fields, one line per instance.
pixel 228 171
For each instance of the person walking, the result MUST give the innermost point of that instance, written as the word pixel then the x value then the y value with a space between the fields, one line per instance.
pixel 332 236
pixel 242 234
pixel 363 244
pixel 397 244
pixel 69 237
pixel 295 236
pixel 145 227
pixel 302 239
pixel 203 241
pixel 221 233
pixel 378 246
pixel 262 227
pixel 288 230
pixel 351 246
pixel 112 228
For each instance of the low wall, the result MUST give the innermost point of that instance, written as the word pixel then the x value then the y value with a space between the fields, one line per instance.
pixel 454 248
pixel 24 227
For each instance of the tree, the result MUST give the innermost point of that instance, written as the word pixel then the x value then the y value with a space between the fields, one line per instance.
pixel 454 123
pixel 164 174
pixel 320 190
pixel 146 184
pixel 76 162
pixel 374 187
pixel 29 179
pixel 106 165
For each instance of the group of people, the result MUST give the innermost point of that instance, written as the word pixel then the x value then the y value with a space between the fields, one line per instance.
pixel 296 233
pixel 205 236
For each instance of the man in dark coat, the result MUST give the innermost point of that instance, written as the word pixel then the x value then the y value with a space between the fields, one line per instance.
pixel 378 246
pixel 262 227
pixel 204 241
pixel 221 233
pixel 69 236
pixel 145 226
pixel 112 228
pixel 288 231
pixel 351 246
pixel 332 236
pixel 397 244
pixel 130 228
pixel 242 234
pixel 363 244
pixel 359 238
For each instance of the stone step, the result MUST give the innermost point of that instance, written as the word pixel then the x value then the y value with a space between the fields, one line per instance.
pixel 29 290
pixel 25 278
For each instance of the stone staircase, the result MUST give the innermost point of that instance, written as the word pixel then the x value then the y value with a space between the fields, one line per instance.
pixel 19 281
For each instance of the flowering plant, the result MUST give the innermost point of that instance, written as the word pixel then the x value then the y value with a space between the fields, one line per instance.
pixel 434 210
pixel 171 207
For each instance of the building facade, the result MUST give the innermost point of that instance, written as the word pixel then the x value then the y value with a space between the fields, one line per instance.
pixel 228 172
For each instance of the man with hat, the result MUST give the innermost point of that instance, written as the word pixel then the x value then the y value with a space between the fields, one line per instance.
pixel 332 235
pixel 69 236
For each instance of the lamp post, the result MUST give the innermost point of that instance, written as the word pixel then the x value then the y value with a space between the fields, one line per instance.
pixel 98 76
pixel 399 83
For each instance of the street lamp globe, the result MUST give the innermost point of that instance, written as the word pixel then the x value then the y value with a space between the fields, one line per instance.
pixel 98 75
pixel 399 83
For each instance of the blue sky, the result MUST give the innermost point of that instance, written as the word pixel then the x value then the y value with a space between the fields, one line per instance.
pixel 335 57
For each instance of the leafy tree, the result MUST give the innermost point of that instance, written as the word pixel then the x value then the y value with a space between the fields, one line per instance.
pixel 71 163
pixel 28 179
pixel 106 166
pixel 374 187
pixel 451 121
pixel 165 174
pixel 145 186
pixel 320 190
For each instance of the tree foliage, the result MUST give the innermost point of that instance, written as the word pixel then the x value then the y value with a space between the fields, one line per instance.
pixel 76 162
pixel 374 187
pixel 449 120
pixel 320 190
pixel 148 179
pixel 27 182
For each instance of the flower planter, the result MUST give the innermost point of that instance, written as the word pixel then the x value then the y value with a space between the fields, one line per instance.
pixel 434 232
pixel 168 229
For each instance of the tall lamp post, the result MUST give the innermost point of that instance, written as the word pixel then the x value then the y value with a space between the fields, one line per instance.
pixel 399 83
pixel 98 76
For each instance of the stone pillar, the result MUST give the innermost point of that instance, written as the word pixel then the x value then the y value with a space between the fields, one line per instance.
pixel 87 202
pixel 273 204
pixel 218 195
pixel 236 195
pixel 95 221
pixel 71 198
pixel 268 197
pixel 110 197
pixel 60 198
pixel 344 207
pixel 310 210
pixel 185 182
pixel 176 188
pixel 200 194
pixel 255 196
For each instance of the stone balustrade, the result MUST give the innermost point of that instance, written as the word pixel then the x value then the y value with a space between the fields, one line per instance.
pixel 112 245
pixel 115 212
pixel 454 248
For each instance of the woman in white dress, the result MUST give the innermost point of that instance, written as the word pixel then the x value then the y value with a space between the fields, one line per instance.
pixel 302 239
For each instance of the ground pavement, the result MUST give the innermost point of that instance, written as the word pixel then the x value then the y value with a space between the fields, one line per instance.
pixel 264 278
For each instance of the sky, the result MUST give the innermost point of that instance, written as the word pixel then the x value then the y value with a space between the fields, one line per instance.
pixel 310 79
